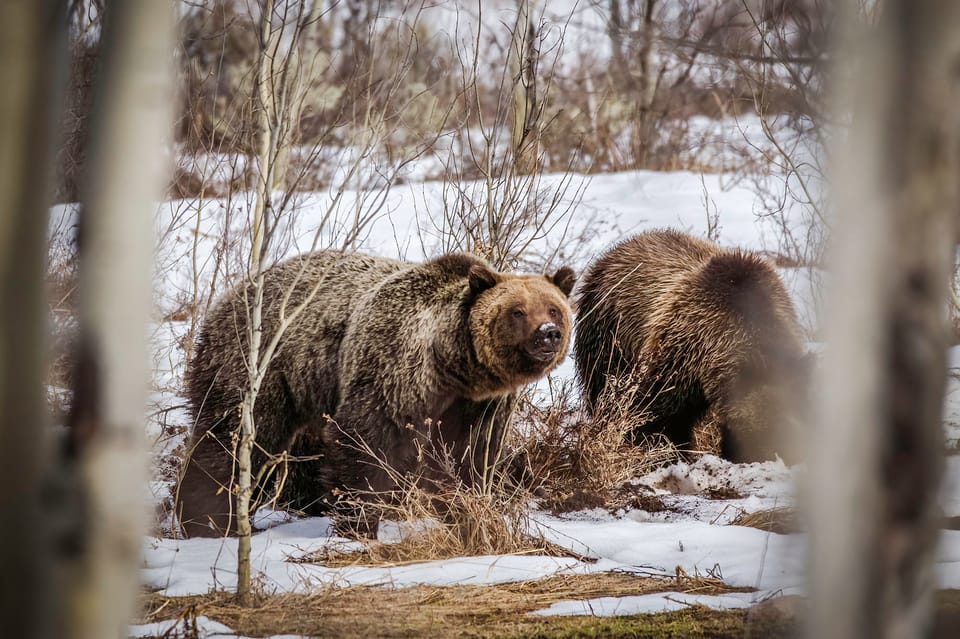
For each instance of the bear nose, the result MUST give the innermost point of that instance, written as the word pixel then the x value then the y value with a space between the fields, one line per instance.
pixel 549 333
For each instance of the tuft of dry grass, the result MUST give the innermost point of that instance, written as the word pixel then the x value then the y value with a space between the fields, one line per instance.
pixel 583 461
pixel 783 520
pixel 427 546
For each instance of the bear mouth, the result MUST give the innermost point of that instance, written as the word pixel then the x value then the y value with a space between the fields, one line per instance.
pixel 541 355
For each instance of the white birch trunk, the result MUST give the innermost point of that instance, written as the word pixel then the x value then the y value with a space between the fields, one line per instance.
pixel 131 114
pixel 265 159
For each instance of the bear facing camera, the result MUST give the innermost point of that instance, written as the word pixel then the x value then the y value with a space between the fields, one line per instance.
pixel 702 342
pixel 384 359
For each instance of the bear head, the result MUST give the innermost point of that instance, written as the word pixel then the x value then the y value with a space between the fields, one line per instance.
pixel 520 324
pixel 766 405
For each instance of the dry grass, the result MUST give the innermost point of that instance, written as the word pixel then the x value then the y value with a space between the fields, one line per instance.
pixel 441 516
pixel 782 520
pixel 575 462
pixel 423 611
pixel 583 461
pixel 426 546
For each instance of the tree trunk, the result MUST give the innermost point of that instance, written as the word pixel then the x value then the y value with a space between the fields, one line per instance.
pixel 524 121
pixel 647 89
pixel 877 459
pixel 107 448
pixel 32 38
pixel 265 94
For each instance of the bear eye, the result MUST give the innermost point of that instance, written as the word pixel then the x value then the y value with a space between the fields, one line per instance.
pixel 519 313
pixel 554 314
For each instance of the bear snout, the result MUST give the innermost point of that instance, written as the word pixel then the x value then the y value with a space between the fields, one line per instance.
pixel 548 334
pixel 545 342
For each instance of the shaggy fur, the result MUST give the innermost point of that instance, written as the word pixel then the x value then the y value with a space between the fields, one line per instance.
pixel 705 339
pixel 401 356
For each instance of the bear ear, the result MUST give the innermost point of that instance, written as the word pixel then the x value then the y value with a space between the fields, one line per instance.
pixel 564 279
pixel 481 278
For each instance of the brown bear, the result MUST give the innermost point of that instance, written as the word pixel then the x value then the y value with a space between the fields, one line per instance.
pixel 704 341
pixel 385 355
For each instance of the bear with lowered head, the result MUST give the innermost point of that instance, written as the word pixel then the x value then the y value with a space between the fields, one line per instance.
pixel 702 342
pixel 380 360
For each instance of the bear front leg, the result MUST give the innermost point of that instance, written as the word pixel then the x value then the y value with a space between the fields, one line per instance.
pixel 486 425
pixel 205 503
pixel 365 470
pixel 364 485
pixel 360 484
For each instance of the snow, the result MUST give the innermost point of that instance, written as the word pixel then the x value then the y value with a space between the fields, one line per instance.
pixel 740 556
pixel 193 566
pixel 693 533
pixel 205 627
pixel 658 602
pixel 408 223
pixel 685 488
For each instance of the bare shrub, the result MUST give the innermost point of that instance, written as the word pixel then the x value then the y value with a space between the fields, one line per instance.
pixel 497 201
pixel 576 458
pixel 442 516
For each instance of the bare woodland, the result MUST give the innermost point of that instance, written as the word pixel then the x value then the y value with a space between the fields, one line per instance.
pixel 257 104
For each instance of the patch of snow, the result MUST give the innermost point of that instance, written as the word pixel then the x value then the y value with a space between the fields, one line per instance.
pixel 739 556
pixel 205 627
pixel 652 603
pixel 192 566
pixel 690 490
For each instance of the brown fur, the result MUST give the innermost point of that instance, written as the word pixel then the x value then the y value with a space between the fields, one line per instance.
pixel 709 337
pixel 399 355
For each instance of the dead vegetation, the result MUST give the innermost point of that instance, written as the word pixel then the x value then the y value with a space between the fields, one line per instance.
pixel 782 520
pixel 460 521
pixel 423 611
pixel 441 516
pixel 558 459
pixel 582 461
pixel 672 66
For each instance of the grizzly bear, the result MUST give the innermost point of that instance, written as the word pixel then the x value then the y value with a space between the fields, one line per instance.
pixel 704 342
pixel 381 360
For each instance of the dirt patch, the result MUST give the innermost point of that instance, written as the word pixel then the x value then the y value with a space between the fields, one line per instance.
pixel 639 497
pixel 722 493
pixel 578 500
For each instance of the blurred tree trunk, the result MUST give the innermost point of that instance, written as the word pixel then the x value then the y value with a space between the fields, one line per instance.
pixel 32 60
pixel 877 458
pixel 106 451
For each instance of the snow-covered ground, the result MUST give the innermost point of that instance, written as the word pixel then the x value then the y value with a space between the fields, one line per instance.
pixel 694 533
